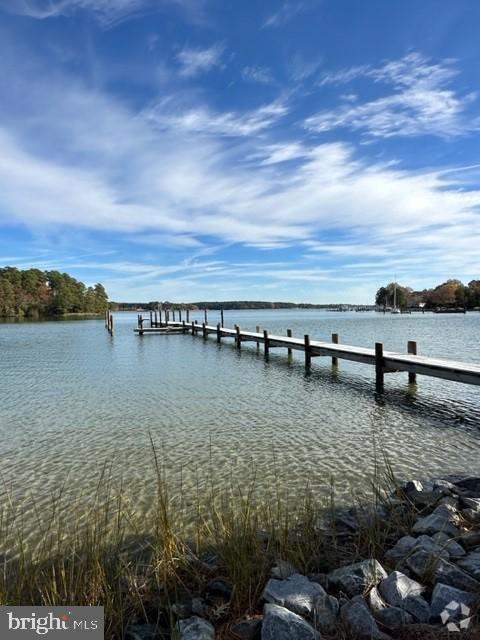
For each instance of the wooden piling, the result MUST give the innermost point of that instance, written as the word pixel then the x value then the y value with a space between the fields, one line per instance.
pixel 180 315
pixel 308 351
pixel 379 365
pixel 289 351
pixel 412 349
pixel 238 340
pixel 205 316
pixel 193 328
pixel 140 320
pixel 184 326
pixel 188 316
pixel 111 324
pixel 221 317
pixel 219 333
pixel 257 330
pixel 335 341
pixel 151 319
pixel 156 319
pixel 266 343
pixel 173 313
pixel 204 329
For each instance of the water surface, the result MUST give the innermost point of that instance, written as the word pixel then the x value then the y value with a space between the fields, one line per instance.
pixel 73 397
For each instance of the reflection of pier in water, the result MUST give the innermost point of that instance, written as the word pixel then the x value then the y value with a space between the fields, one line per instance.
pixel 383 361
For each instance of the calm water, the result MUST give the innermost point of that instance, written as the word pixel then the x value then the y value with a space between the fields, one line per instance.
pixel 73 397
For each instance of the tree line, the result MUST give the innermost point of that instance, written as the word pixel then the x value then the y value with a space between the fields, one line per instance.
pixel 35 293
pixel 450 294
pixel 216 306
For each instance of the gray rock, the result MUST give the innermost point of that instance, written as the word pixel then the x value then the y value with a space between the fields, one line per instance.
pixel 397 587
pixel 182 609
pixel 375 600
pixel 356 578
pixel 445 486
pixel 360 622
pixel 454 549
pixel 470 485
pixel 219 588
pixel 296 593
pixel 432 547
pixel 471 503
pixel 402 548
pixel 401 591
pixel 325 612
pixel 450 574
pixel 417 607
pixel 195 628
pixel 443 518
pixel 198 607
pixel 444 594
pixel 471 564
pixel 422 494
pixel 281 624
pixel 440 570
pixel 282 570
pixel 471 515
pixel 144 632
pixel 321 578
pixel 470 540
pixel 422 563
pixel 394 618
pixel 247 629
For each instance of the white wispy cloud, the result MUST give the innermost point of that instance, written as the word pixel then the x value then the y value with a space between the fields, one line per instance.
pixel 201 119
pixel 108 12
pixel 76 159
pixel 257 74
pixel 421 102
pixel 193 61
pixel 287 11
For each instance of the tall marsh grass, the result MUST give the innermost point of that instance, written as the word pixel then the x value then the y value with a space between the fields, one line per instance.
pixel 137 566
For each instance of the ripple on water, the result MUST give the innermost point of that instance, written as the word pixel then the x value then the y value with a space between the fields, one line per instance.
pixel 73 398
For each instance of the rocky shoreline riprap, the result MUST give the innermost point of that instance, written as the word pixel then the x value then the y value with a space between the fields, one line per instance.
pixel 426 584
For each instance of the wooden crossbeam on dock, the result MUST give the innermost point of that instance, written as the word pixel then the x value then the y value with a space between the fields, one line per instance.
pixel 383 361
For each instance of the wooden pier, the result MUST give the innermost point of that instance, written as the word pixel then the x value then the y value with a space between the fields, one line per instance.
pixel 383 361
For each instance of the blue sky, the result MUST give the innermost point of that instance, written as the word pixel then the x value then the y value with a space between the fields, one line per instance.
pixel 304 150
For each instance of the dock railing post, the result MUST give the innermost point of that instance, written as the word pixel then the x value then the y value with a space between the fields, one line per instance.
pixel 289 351
pixel 412 349
pixel 257 330
pixel 188 316
pixel 204 329
pixel 308 352
pixel 221 317
pixel 151 319
pixel 180 315
pixel 379 365
pixel 111 324
pixel 184 326
pixel 156 319
pixel 335 341
pixel 205 316
pixel 238 341
pixel 266 343
pixel 193 328
pixel 219 334
pixel 140 321
pixel 173 312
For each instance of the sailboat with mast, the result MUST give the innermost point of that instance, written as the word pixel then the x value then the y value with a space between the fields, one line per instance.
pixel 395 309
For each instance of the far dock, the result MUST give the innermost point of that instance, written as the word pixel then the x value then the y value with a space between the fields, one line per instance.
pixel 383 361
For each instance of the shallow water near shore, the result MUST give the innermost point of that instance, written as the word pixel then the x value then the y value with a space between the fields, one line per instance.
pixel 73 397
